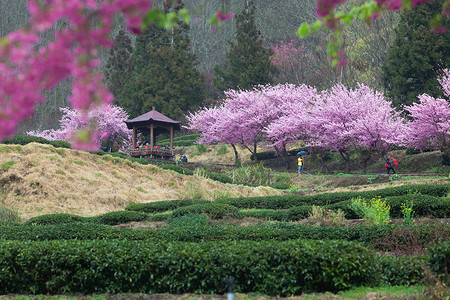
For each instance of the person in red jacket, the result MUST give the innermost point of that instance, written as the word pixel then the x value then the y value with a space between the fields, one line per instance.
pixel 389 166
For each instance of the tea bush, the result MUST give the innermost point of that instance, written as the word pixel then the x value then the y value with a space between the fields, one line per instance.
pixel 401 270
pixel 439 261
pixel 163 206
pixel 277 231
pixel 52 219
pixel 121 217
pixel 26 139
pixel 214 210
pixel 288 201
pixel 105 266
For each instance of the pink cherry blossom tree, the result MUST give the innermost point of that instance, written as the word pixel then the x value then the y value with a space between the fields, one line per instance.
pixel 430 125
pixel 109 120
pixel 346 120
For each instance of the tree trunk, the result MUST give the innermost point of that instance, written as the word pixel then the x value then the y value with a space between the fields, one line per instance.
pixel 236 155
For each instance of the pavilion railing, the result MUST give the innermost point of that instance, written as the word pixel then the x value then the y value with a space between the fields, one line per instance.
pixel 147 152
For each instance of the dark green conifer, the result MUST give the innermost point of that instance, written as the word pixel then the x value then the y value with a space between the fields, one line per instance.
pixel 118 67
pixel 248 62
pixel 417 56
pixel 165 74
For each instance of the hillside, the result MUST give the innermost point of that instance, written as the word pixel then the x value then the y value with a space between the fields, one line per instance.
pixel 39 179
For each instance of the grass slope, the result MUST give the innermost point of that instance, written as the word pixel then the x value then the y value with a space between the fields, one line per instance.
pixel 39 179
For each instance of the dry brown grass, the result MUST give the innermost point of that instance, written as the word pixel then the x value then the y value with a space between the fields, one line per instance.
pixel 47 180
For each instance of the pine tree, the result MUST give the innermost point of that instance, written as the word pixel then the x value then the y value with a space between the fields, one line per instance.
pixel 118 67
pixel 249 62
pixel 417 56
pixel 165 74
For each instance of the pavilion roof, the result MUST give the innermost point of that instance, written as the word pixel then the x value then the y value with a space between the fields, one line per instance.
pixel 152 115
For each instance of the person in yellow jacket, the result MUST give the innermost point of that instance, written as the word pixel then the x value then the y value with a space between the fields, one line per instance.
pixel 300 165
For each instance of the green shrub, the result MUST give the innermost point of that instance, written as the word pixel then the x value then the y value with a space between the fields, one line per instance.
pixel 288 201
pixel 272 154
pixel 105 266
pixel 60 144
pixel 163 206
pixel 213 210
pixel 177 169
pixel 401 270
pixel 52 219
pixel 188 220
pixel 281 186
pixel 121 217
pixel 26 139
pixel 267 214
pixel 439 259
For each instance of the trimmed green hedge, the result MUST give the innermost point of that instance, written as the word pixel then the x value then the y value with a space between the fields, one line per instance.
pixel 121 217
pixel 163 206
pixel 26 139
pixel 197 233
pixel 439 261
pixel 401 270
pixel 213 210
pixel 288 201
pixel 185 140
pixel 272 268
pixel 112 218
pixel 272 154
pixel 52 219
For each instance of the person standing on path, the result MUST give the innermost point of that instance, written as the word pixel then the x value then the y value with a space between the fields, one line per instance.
pixel 389 166
pixel 300 165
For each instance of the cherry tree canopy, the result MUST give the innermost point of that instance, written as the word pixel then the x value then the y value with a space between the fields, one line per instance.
pixel 109 120
pixel 346 119
pixel 430 125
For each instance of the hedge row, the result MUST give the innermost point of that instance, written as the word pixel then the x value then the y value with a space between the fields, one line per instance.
pixel 288 201
pixel 185 140
pixel 199 232
pixel 272 268
pixel 26 139
pixel 163 206
pixel 272 154
pixel 112 218
pixel 440 259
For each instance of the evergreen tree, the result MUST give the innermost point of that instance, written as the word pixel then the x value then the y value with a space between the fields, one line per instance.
pixel 417 56
pixel 118 67
pixel 249 62
pixel 165 74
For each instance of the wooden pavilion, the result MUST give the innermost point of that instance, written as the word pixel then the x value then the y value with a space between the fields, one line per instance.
pixel 154 123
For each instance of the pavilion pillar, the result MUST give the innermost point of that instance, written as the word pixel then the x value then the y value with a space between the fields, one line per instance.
pixel 134 138
pixel 171 137
pixel 152 137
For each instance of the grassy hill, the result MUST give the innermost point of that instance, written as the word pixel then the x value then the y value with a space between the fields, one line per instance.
pixel 39 179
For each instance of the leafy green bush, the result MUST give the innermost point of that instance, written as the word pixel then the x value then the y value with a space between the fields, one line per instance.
pixel 105 266
pixel 60 144
pixel 373 235
pixel 401 270
pixel 26 139
pixel 188 220
pixel 214 210
pixel 439 259
pixel 52 219
pixel 272 154
pixel 163 206
pixel 267 214
pixel 177 169
pixel 121 217
pixel 181 141
pixel 288 201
